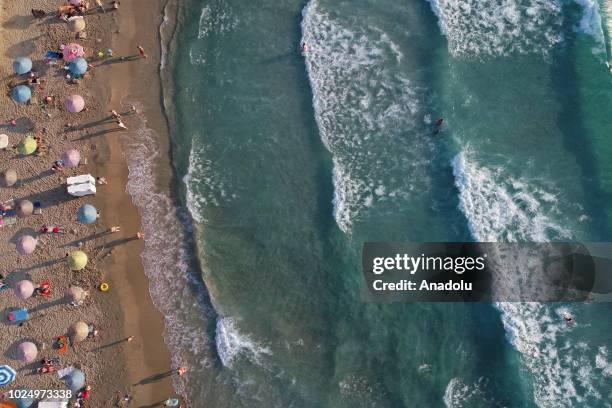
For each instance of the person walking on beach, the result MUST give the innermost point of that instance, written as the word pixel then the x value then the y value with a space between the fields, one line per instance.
pixel 142 53
pixel 121 124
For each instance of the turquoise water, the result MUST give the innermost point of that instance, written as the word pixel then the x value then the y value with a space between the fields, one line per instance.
pixel 288 163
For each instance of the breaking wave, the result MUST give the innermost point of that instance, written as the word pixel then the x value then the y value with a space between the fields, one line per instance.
pixel 499 208
pixel 365 111
pixel 499 27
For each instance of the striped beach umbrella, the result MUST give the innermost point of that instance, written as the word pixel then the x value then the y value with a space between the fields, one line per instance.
pixel 24 289
pixel 74 103
pixel 26 244
pixel 87 214
pixel 27 145
pixel 78 66
pixel 77 260
pixel 7 375
pixel 22 65
pixel 72 51
pixel 21 93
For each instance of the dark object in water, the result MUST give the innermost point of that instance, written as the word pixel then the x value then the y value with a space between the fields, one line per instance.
pixel 38 13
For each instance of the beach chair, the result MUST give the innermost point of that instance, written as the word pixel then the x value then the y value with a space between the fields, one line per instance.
pixel 18 315
pixel 37 208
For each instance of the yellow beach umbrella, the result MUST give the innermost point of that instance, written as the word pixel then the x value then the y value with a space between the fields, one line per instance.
pixel 27 145
pixel 77 260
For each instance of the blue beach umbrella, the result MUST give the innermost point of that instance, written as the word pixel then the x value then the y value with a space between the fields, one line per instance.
pixel 78 66
pixel 75 380
pixel 23 402
pixel 21 93
pixel 22 65
pixel 87 214
pixel 7 375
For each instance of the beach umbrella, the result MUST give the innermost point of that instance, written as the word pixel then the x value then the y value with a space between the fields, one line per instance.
pixel 75 381
pixel 24 208
pixel 7 375
pixel 22 65
pixel 78 332
pixel 9 177
pixel 76 294
pixel 87 214
pixel 78 66
pixel 4 141
pixel 27 352
pixel 23 402
pixel 26 244
pixel 72 157
pixel 77 260
pixel 76 24
pixel 28 145
pixel 72 51
pixel 74 103
pixel 21 93
pixel 24 289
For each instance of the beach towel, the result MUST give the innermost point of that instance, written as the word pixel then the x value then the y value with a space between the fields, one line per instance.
pixel 53 55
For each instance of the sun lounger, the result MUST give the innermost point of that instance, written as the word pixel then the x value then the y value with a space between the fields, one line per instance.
pixel 80 190
pixel 83 178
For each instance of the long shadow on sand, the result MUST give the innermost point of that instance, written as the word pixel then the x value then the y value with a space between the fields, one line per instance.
pixel 154 378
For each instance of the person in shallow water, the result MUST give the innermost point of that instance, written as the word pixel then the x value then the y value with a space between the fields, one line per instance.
pixel 439 123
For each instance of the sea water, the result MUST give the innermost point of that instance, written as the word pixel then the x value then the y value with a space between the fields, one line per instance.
pixel 287 162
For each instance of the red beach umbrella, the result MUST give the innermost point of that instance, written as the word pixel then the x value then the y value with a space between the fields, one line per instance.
pixel 74 103
pixel 71 158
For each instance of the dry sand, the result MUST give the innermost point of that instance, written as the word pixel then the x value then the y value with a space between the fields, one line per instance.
pixel 111 365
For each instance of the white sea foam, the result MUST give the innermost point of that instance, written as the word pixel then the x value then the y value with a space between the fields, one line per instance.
pixel 496 212
pixel 591 24
pixel 174 288
pixel 459 395
pixel 215 18
pixel 232 344
pixel 204 186
pixel 499 27
pixel 563 374
pixel 366 111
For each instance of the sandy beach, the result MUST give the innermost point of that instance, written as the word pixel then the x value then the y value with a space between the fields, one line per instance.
pixel 112 365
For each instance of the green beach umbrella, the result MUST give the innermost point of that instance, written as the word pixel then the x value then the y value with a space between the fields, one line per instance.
pixel 27 146
pixel 77 260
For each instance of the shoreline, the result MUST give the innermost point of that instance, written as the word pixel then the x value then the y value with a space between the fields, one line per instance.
pixel 127 310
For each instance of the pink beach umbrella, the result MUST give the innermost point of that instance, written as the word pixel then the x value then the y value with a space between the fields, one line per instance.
pixel 72 51
pixel 26 244
pixel 71 158
pixel 74 103
pixel 24 289
pixel 27 352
